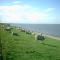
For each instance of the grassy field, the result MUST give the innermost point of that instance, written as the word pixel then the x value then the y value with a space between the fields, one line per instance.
pixel 25 47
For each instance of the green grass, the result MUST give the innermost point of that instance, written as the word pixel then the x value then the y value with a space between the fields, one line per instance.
pixel 25 47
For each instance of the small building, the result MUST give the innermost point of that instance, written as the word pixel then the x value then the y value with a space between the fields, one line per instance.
pixel 8 29
pixel 14 33
pixel 39 37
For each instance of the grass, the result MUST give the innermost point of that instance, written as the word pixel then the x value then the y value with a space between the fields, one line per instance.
pixel 25 47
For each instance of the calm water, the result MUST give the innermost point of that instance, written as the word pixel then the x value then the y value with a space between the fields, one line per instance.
pixel 53 29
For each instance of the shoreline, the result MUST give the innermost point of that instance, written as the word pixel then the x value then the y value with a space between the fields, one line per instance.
pixel 45 34
pixel 54 37
pixel 48 35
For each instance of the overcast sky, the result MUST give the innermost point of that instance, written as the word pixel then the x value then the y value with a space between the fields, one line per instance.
pixel 30 11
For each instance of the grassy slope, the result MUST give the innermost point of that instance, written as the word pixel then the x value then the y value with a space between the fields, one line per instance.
pixel 25 47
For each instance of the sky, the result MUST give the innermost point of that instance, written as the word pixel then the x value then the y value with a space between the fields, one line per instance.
pixel 30 11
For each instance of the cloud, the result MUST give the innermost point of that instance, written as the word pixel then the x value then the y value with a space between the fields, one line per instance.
pixel 22 13
pixel 49 9
pixel 16 2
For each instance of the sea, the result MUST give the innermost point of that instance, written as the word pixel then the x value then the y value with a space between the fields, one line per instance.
pixel 50 29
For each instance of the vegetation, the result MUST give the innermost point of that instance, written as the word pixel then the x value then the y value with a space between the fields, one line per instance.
pixel 25 47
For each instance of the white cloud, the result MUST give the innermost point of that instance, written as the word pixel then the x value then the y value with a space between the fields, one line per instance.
pixel 49 9
pixel 21 12
pixel 16 2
